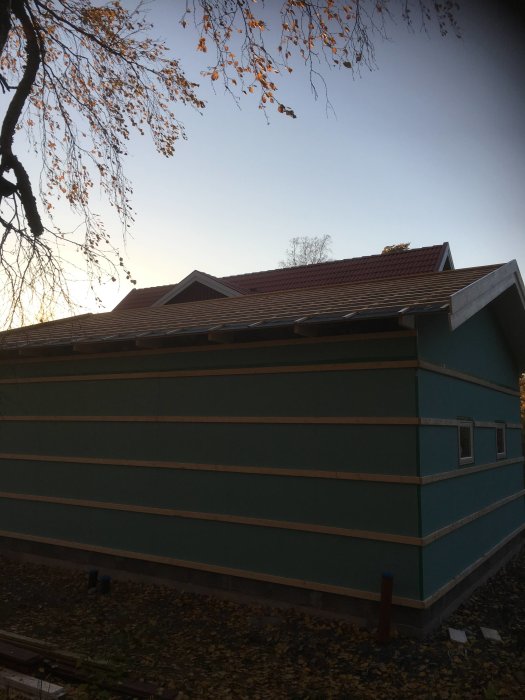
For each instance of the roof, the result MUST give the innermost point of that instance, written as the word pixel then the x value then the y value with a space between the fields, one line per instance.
pixel 397 264
pixel 463 290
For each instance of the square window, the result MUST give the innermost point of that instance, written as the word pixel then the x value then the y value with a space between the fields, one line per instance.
pixel 465 443
pixel 501 442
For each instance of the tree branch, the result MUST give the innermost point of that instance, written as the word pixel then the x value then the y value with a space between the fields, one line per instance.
pixel 8 160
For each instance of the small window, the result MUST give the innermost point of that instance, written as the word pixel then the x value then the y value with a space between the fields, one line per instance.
pixel 501 442
pixel 466 443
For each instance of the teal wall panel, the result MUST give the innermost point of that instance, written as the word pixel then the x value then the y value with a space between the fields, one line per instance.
pixel 449 556
pixel 388 449
pixel 390 508
pixel 352 393
pixel 477 347
pixel 444 502
pixel 438 449
pixel 327 559
pixel 447 397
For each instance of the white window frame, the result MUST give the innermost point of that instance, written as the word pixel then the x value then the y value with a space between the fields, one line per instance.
pixel 503 428
pixel 470 458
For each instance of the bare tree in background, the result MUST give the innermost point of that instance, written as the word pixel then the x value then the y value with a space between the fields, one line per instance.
pixel 79 76
pixel 307 250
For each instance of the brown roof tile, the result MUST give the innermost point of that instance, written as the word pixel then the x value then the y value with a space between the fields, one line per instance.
pixel 369 267
pixel 372 295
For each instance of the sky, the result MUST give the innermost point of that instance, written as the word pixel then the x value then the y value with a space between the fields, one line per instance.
pixel 429 147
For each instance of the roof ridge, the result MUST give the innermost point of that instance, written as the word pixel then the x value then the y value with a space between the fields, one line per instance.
pixel 331 262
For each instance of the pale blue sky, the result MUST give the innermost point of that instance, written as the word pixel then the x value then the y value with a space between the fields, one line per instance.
pixel 427 148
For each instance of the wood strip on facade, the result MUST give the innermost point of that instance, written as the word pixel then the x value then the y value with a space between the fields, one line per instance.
pixel 252 575
pixel 454 422
pixel 430 367
pixel 262 522
pixel 465 471
pixel 192 466
pixel 442 532
pixel 252 420
pixel 276 369
pixel 265 471
pixel 430 600
pixel 223 372
pixel 213 568
pixel 218 517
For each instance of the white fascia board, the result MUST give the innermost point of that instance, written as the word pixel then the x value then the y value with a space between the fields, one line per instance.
pixel 471 299
pixel 446 255
pixel 196 276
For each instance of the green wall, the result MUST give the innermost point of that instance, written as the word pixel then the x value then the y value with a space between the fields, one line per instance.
pixel 479 349
pixel 390 509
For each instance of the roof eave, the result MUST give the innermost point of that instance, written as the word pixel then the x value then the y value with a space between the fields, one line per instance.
pixel 468 301
pixel 492 288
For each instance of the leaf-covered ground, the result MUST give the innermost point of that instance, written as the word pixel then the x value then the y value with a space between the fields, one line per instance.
pixel 211 648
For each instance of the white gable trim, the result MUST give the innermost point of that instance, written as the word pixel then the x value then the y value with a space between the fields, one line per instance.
pixel 471 299
pixel 445 256
pixel 196 276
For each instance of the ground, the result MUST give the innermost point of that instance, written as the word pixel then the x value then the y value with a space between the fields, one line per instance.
pixel 210 648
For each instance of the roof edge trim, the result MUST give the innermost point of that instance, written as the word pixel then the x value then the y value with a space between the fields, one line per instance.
pixel 446 255
pixel 468 301
pixel 196 276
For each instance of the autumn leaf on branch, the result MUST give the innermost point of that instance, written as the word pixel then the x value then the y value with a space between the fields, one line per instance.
pixel 78 77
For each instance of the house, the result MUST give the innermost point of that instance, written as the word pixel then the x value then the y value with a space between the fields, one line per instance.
pixel 291 442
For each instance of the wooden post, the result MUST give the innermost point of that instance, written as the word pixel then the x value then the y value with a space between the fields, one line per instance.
pixel 92 578
pixel 385 608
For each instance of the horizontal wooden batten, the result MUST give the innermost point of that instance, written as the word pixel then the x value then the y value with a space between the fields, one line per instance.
pixel 463 376
pixel 252 420
pixel 213 568
pixel 466 471
pixel 212 348
pixel 217 517
pixel 275 369
pixel 223 372
pixel 227 468
pixel 442 532
pixel 431 599
pixel 267 523
pixel 269 578
pixel 256 420
pixel 263 471
pixel 455 422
